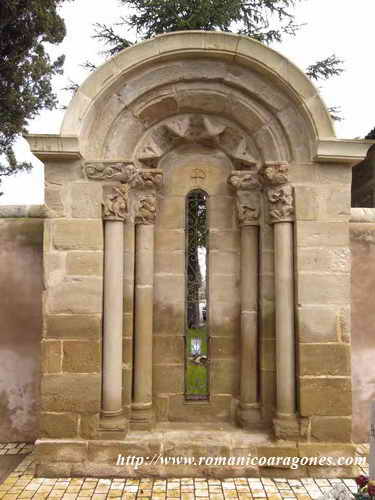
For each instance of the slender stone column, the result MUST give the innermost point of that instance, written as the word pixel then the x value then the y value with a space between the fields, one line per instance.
pixel 279 194
pixel 145 215
pixel 248 208
pixel 115 213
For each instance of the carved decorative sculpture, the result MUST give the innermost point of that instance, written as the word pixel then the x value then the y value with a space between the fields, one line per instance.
pixel 247 190
pixel 146 209
pixel 116 203
pixel 197 128
pixel 279 193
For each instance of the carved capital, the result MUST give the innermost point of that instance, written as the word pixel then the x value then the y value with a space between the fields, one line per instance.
pixel 279 193
pixel 274 174
pixel 145 208
pixel 145 185
pixel 116 203
pixel 247 194
pixel 146 180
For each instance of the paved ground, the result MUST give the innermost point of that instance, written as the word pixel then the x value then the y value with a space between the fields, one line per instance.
pixel 21 484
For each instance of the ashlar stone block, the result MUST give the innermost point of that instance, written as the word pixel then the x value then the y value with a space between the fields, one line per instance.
pixel 78 234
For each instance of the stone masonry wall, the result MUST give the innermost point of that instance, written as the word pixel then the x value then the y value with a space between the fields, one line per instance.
pixel 73 267
pixel 21 245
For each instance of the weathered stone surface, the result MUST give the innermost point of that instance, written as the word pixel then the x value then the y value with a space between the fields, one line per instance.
pixel 325 396
pixel 137 444
pixel 54 202
pixel 324 289
pixel 89 426
pixel 168 349
pixel 331 260
pixel 169 289
pixel 318 234
pixel 331 359
pixel 225 319
pixel 58 173
pixel 61 451
pixel 168 378
pixel 336 201
pixel 171 212
pixel 58 425
pixel 81 357
pixel 331 429
pixel 218 408
pixel 79 296
pixel 169 319
pixel 71 393
pixel 225 241
pixel 224 347
pixel 306 203
pixel 268 353
pixel 51 356
pixel 222 212
pixel 84 263
pixel 78 235
pixel 326 450
pixel 224 288
pixel 169 240
pixel 333 324
pixel 86 199
pixel 73 327
pixel 224 377
pixel 170 262
pixel 54 268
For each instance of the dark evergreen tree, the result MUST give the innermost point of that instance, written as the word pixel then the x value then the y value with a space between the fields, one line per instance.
pixel 371 135
pixel 25 69
pixel 264 20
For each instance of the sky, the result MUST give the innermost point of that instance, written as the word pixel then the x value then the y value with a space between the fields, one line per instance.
pixel 342 27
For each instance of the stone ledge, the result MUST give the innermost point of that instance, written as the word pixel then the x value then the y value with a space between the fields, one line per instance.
pixel 98 458
pixel 23 211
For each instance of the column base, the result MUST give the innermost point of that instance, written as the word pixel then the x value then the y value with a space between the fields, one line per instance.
pixel 142 417
pixel 286 427
pixel 249 416
pixel 113 426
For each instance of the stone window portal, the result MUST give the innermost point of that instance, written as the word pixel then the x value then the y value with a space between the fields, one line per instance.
pixel 196 297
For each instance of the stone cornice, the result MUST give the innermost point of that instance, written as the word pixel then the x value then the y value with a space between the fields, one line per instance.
pixel 52 147
pixel 343 151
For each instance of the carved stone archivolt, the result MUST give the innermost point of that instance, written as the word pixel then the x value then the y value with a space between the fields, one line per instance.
pixel 206 130
pixel 134 197
pixel 279 193
pixel 247 188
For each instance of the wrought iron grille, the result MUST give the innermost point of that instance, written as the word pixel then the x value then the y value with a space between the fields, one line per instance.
pixel 196 307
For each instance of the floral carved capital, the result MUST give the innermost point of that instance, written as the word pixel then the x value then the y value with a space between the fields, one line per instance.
pixel 247 188
pixel 112 171
pixel 279 193
pixel 116 203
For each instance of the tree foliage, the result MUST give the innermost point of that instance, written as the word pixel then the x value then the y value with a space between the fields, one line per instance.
pixel 371 135
pixel 264 20
pixel 25 68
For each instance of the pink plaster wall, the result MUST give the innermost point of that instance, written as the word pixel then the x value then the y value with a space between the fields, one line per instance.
pixel 363 325
pixel 20 327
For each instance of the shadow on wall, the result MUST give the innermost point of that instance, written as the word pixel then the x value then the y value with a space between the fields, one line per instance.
pixel 21 246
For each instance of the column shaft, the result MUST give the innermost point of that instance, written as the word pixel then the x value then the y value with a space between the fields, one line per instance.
pixel 113 317
pixel 249 320
pixel 144 291
pixel 285 341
